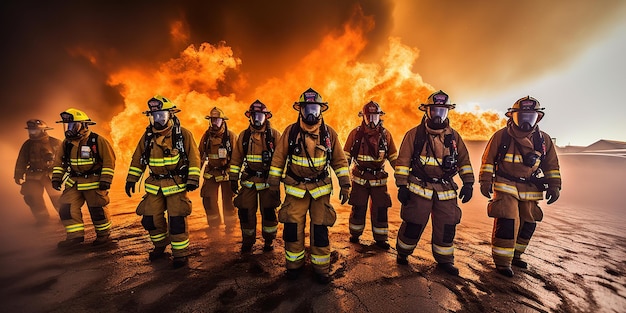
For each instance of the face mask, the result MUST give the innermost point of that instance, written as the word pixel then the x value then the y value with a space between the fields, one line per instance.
pixel 525 120
pixel 159 119
pixel 257 119
pixel 35 133
pixel 216 123
pixel 373 120
pixel 72 130
pixel 311 113
pixel 437 114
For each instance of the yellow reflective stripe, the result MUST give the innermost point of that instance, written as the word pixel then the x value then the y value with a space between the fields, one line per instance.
pixel 531 195
pixel 58 170
pixel 178 245
pixel 101 227
pixel 465 169
pixel 510 189
pixel 170 190
pixel 429 160
pixel 151 189
pixel 443 250
pixel 254 158
pixel 159 237
pixel 294 256
pixel 321 191
pixel 505 252
pixel 294 191
pixel 402 170
pixel 520 248
pixel 217 178
pixel 359 180
pixel 69 182
pixel 270 229
pixel 487 168
pixel 193 170
pixel 135 171
pixel 165 161
pixel 553 174
pixel 342 171
pixel 247 184
pixel 320 259
pixel 405 246
pixel 74 228
pixel 275 171
pixel 511 158
pixel 213 156
pixel 303 161
pixel 393 157
pixel 78 162
pixel 88 186
pixel 235 169
pixel 368 158
pixel 356 227
pixel 380 230
pixel 446 195
pixel 421 191
pixel 248 232
pixel 107 171
pixel 262 186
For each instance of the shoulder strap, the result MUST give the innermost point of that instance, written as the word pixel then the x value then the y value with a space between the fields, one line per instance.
pixel 246 141
pixel 356 144
pixel 505 143
pixel 179 143
pixel 93 144
pixel 293 136
pixel 325 141
pixel 226 142
pixel 418 143
pixel 147 146
pixel 539 143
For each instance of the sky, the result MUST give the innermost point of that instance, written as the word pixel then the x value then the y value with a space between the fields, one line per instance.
pixel 485 54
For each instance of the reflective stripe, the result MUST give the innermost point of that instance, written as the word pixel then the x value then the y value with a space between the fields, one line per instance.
pixel 520 248
pixel 373 182
pixel 320 259
pixel 275 171
pixel 151 189
pixel 248 232
pixel 304 162
pixel 135 171
pixel 368 158
pixel 510 189
pixel 258 186
pixel 74 228
pixel 487 168
pixel 402 170
pixel 178 245
pixel 159 237
pixel 505 252
pixel 294 256
pixel 420 191
pixel 342 171
pixel 405 246
pixel 213 156
pixel 511 158
pixel 70 182
pixel 321 191
pixel 356 227
pixel 58 170
pixel 429 160
pixel 254 158
pixel 107 171
pixel 88 186
pixel 294 191
pixel 446 195
pixel 217 178
pixel 170 190
pixel 465 169
pixel 193 170
pixel 78 162
pixel 393 157
pixel 379 230
pixel 235 169
pixel 270 229
pixel 443 250
pixel 531 195
pixel 173 160
pixel 102 227
pixel 553 174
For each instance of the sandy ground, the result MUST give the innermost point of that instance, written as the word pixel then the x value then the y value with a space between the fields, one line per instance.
pixel 577 263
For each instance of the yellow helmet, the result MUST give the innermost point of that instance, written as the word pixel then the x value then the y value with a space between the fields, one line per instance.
pixel 160 103
pixel 216 113
pixel 310 96
pixel 74 115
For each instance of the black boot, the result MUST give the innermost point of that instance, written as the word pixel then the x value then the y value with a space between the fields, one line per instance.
pixel 179 262
pixel 156 253
pixel 449 268
pixel 519 263
pixel 322 278
pixel 68 243
pixel 402 259
pixel 354 239
pixel 267 247
pixel 382 244
pixel 246 247
pixel 101 240
pixel 505 271
pixel 293 273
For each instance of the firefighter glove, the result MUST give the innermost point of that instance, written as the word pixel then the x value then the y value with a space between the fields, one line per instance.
pixel 552 194
pixel 18 181
pixel 191 186
pixel 56 184
pixel 344 194
pixel 275 195
pixel 130 188
pixel 234 186
pixel 104 185
pixel 485 190
pixel 466 193
pixel 404 194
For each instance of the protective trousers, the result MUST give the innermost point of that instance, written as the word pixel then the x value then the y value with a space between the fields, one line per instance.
pixel 71 216
pixel 32 190
pixel 247 201
pixel 446 215
pixel 209 194
pixel 293 215
pixel 512 232
pixel 178 207
pixel 379 204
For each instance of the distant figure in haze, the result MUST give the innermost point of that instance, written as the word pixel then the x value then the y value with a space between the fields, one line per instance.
pixel 216 149
pixel 169 150
pixel 518 164
pixel 89 162
pixel 33 169
pixel 252 157
pixel 370 145
pixel 431 154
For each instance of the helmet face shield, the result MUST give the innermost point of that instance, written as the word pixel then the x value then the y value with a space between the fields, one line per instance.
pixel 72 130
pixel 525 120
pixel 257 119
pixel 437 114
pixel 311 112
pixel 159 119
pixel 372 119
pixel 216 122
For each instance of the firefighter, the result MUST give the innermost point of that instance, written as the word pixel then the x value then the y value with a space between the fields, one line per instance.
pixel 252 156
pixel 306 150
pixel 169 151
pixel 88 161
pixel 431 154
pixel 216 149
pixel 369 145
pixel 518 165
pixel 33 169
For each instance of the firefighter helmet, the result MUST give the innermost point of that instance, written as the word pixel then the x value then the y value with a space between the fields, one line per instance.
pixel 526 113
pixel 216 113
pixel 437 107
pixel 160 103
pixel 72 115
pixel 310 96
pixel 37 124
pixel 258 106
pixel 371 114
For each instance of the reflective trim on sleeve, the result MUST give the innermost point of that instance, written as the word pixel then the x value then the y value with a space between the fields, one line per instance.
pixel 487 168
pixel 553 174
pixel 107 171
pixel 402 170
pixel 275 171
pixel 235 169
pixel 465 169
pixel 193 170
pixel 58 170
pixel 342 171
pixel 135 171
pixel 393 157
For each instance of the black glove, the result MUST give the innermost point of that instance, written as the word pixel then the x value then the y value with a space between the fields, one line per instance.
pixel 104 185
pixel 56 184
pixel 404 194
pixel 552 194
pixel 191 187
pixel 234 186
pixel 344 194
pixel 275 195
pixel 485 190
pixel 130 188
pixel 466 193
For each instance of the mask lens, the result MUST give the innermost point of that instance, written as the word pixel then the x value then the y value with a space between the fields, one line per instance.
pixel 216 122
pixel 258 118
pixel 72 127
pixel 160 118
pixel 374 119
pixel 437 112
pixel 312 109
pixel 520 118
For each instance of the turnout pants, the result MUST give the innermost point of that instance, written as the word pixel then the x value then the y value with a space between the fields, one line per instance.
pixel 209 193
pixel 513 226
pixel 32 190
pixel 247 202
pixel 172 229
pixel 71 215
pixel 379 205
pixel 446 215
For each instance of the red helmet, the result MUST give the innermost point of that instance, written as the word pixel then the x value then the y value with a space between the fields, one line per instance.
pixel 258 106
pixel 371 114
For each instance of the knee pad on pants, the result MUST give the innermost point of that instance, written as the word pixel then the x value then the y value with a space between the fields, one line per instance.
pixel 243 215
pixel 269 214
pixel 382 214
pixel 449 230
pixel 64 211
pixel 290 233
pixel 527 230
pixel 321 236
pixel 97 213
pixel 412 230
pixel 177 225
pixel 148 222
pixel 505 228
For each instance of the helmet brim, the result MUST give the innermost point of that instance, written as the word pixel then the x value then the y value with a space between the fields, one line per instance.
pixel 173 110
pixel 423 106
pixel 297 105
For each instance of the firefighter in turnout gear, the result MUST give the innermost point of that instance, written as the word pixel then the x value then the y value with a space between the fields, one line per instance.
pixel 169 151
pixel 216 149
pixel 369 145
pixel 250 165
pixel 88 161
pixel 431 154
pixel 305 152
pixel 518 165
pixel 33 169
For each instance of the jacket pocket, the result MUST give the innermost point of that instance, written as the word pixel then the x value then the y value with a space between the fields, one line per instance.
pixel 537 213
pixel 283 213
pixel 141 207
pixel 330 216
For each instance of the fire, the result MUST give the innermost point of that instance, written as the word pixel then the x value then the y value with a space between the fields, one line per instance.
pixel 195 81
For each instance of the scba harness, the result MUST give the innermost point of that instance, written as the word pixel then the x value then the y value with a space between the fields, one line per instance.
pixel 529 159
pixel 449 163
pixel 297 144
